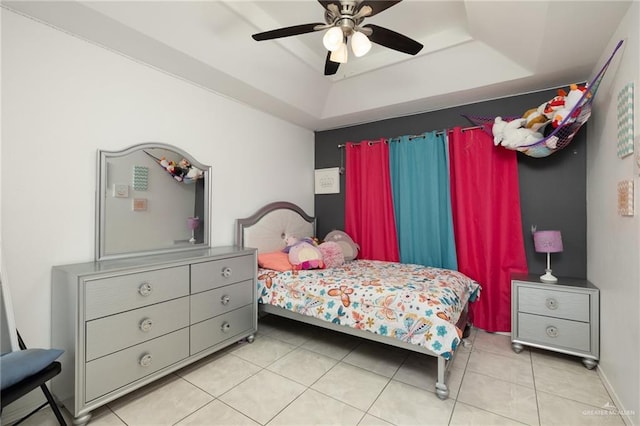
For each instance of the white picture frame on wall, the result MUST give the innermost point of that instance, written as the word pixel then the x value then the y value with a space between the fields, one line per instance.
pixel 327 181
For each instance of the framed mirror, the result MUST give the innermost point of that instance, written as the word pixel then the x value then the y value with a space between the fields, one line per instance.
pixel 151 198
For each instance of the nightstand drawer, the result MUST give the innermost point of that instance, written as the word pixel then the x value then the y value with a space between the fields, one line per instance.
pixel 116 332
pixel 554 332
pixel 209 275
pixel 554 303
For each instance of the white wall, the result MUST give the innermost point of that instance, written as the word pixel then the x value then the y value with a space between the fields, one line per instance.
pixel 613 248
pixel 63 99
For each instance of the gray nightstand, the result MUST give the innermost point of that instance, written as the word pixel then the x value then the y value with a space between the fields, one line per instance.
pixel 562 317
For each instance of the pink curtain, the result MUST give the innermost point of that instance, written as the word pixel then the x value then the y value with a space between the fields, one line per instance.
pixel 487 224
pixel 369 218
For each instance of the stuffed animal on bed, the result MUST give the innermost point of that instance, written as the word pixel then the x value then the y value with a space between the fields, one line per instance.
pixel 304 255
pixel 349 247
pixel 292 241
pixel 331 254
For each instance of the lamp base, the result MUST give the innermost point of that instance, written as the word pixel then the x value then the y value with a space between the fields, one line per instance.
pixel 548 278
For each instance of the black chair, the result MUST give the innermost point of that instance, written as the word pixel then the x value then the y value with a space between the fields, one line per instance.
pixel 31 382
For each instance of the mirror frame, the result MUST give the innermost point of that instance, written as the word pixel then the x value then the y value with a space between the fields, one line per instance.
pixel 101 191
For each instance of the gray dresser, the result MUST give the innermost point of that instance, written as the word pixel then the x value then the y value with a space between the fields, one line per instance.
pixel 562 317
pixel 125 323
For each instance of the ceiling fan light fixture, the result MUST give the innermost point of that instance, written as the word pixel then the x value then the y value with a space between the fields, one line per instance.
pixel 332 39
pixel 340 55
pixel 360 44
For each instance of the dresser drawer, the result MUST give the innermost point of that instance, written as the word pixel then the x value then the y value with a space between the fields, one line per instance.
pixel 116 332
pixel 216 330
pixel 554 303
pixel 121 368
pixel 215 302
pixel 217 273
pixel 554 332
pixel 112 295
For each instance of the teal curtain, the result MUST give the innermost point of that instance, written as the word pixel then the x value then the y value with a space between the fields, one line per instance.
pixel 422 201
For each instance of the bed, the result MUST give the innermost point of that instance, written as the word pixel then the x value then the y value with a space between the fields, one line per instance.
pixel 414 307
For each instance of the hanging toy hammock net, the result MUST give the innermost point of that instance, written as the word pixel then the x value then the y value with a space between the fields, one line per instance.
pixel 550 136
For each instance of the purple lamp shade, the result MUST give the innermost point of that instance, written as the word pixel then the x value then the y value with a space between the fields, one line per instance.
pixel 547 241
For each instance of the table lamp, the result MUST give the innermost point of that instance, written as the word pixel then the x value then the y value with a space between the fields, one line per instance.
pixel 548 242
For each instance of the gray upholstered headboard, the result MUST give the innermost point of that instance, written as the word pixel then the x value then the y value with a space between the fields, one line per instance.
pixel 268 228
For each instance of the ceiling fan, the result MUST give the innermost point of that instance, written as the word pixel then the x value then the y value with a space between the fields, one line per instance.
pixel 343 19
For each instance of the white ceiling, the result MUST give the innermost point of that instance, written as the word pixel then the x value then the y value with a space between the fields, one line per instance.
pixel 474 50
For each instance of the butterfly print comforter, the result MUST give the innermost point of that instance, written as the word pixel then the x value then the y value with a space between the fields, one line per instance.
pixel 412 303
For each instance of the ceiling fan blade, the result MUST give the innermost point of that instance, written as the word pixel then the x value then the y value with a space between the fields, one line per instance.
pixel 393 40
pixel 330 67
pixel 326 3
pixel 377 6
pixel 286 31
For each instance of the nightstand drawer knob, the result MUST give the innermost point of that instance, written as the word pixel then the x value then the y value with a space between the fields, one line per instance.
pixel 226 327
pixel 225 300
pixel 551 303
pixel 226 272
pixel 552 331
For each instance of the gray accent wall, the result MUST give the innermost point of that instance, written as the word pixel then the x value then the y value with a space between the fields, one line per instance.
pixel 552 189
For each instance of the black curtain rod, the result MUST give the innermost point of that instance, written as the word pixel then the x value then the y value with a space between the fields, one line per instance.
pixel 419 136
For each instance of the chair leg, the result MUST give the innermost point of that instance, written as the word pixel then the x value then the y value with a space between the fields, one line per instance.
pixel 54 406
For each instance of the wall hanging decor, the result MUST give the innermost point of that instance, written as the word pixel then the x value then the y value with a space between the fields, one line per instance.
pixel 547 128
pixel 625 120
pixel 625 198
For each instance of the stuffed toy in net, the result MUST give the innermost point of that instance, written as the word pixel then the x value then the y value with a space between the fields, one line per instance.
pixel 550 127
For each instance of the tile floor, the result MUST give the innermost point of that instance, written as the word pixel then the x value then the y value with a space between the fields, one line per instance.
pixel 294 374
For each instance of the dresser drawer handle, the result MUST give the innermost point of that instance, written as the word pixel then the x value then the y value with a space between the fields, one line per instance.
pixel 146 360
pixel 225 300
pixel 226 272
pixel 146 324
pixel 552 331
pixel 551 303
pixel 226 327
pixel 145 289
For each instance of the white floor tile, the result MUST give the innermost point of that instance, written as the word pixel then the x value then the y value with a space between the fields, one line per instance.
pixel 369 420
pixel 377 358
pixel 402 404
pixel 422 371
pixel 512 369
pixel 263 396
pixel 351 385
pixel 464 414
pixel 264 351
pixel 315 408
pixel 580 385
pixel 332 344
pixel 498 344
pixel 219 374
pixel 560 411
pixel 303 366
pixel 499 397
pixel 217 414
pixel 164 402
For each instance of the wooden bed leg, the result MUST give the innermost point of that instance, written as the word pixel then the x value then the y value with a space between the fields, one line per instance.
pixel 442 390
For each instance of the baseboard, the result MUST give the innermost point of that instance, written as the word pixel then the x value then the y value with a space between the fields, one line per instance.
pixel 624 413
